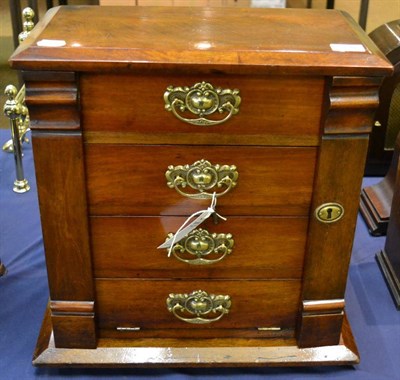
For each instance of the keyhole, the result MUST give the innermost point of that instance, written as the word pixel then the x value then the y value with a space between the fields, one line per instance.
pixel 329 213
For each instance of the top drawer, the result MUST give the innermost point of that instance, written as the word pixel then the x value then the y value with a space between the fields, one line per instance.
pixel 130 108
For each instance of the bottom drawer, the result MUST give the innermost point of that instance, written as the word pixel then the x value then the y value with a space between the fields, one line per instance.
pixel 195 306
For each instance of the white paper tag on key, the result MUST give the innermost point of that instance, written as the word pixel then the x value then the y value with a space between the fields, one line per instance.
pixel 186 228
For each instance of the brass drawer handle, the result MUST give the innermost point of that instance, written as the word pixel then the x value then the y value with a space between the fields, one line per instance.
pixel 200 304
pixel 202 100
pixel 198 245
pixel 202 176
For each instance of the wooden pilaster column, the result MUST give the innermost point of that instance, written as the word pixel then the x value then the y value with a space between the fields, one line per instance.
pixel 52 99
pixel 339 173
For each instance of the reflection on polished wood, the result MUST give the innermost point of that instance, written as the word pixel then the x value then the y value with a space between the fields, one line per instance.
pixel 247 50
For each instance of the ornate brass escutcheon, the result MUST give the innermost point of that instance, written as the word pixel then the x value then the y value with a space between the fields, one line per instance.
pixel 202 176
pixel 196 306
pixel 200 247
pixel 202 100
pixel 329 212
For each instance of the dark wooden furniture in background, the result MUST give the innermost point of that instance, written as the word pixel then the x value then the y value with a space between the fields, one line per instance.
pixel 389 258
pixel 376 200
pixel 123 124
pixel 363 16
pixel 330 4
pixel 387 118
pixel 50 3
pixel 363 13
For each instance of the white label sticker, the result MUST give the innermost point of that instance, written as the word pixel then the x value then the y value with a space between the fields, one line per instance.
pixel 344 48
pixel 51 43
pixel 268 3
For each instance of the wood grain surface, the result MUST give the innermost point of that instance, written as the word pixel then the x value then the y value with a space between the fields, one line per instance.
pixel 103 142
pixel 133 37
pixel 134 303
pixel 62 199
pixel 274 110
pixel 123 247
pixel 130 180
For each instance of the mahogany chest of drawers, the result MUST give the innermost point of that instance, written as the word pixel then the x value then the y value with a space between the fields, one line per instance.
pixel 143 117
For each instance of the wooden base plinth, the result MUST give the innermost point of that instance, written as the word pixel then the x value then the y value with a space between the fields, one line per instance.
pixel 375 204
pixel 392 280
pixel 193 353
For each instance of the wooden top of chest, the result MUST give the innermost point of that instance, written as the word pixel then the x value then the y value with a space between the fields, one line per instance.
pixel 240 40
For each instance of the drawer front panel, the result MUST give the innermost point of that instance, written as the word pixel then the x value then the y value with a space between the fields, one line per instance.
pixel 130 180
pixel 274 110
pixel 262 248
pixel 143 304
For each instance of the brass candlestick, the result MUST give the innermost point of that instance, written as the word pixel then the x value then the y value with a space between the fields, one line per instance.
pixel 16 112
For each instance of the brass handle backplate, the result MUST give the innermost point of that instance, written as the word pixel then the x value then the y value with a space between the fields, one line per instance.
pixel 202 101
pixel 200 247
pixel 198 307
pixel 203 177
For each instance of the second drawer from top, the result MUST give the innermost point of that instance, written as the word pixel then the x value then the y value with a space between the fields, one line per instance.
pixel 180 180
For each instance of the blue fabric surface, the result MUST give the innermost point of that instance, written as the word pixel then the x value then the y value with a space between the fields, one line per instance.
pixel 23 298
